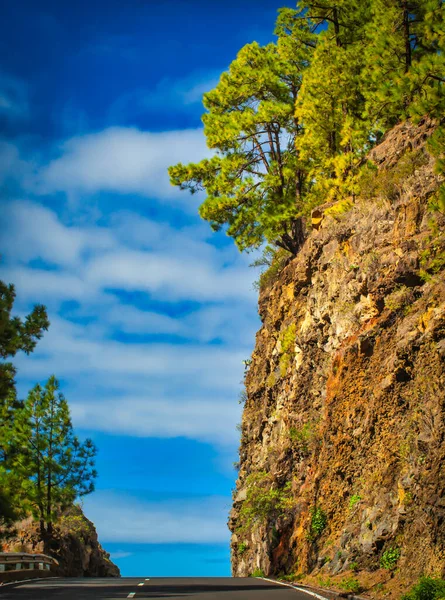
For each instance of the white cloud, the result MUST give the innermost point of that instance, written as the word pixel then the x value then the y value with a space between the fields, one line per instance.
pixel 174 265
pixel 147 390
pixel 42 235
pixel 180 92
pixel 124 160
pixel 233 323
pixel 47 287
pixel 71 349
pixel 168 276
pixel 122 518
pixel 212 421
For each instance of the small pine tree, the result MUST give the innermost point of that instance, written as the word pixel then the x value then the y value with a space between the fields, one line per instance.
pixel 53 465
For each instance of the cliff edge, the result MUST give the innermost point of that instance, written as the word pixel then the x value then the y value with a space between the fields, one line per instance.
pixel 74 544
pixel 342 472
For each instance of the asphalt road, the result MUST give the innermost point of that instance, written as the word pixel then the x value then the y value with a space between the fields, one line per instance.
pixel 131 587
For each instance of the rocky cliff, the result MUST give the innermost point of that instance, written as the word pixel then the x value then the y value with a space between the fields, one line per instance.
pixel 74 544
pixel 342 472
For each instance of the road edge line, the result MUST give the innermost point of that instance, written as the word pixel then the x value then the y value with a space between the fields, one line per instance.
pixel 295 587
pixel 15 583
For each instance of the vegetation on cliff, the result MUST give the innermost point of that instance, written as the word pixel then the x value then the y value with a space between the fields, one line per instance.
pixel 292 122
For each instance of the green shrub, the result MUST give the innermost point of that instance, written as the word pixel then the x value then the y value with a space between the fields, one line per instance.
pixel 354 500
pixel 428 588
pixel 257 573
pixel 436 145
pixel 325 582
pixel 287 340
pixel 389 184
pixel 432 261
pixel 301 437
pixel 274 259
pixel 285 361
pixel 389 558
pixel 271 380
pixel 264 501
pixel 242 547
pixel 319 521
pixel 354 566
pixel 339 208
pixel 74 524
pixel 290 577
pixel 350 584
pixel 398 298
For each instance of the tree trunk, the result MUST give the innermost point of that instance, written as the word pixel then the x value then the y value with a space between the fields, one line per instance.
pixel 336 26
pixel 292 242
pixel 407 36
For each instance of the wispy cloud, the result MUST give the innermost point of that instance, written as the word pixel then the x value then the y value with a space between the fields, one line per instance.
pixel 174 266
pixel 145 390
pixel 122 518
pixel 13 166
pixel 43 236
pixel 183 95
pixel 123 160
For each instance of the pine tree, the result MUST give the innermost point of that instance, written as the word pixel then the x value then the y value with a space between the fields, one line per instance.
pixel 53 465
pixel 426 80
pixel 255 183
pixel 330 103
pixel 15 335
pixel 405 69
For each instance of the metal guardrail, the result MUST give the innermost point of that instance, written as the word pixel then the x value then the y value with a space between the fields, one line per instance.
pixel 21 561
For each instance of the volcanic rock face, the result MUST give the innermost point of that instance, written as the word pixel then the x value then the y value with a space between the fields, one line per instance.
pixel 345 408
pixel 74 544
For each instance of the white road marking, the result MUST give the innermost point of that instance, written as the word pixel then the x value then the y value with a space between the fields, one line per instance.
pixel 140 584
pixel 296 587
pixel 132 595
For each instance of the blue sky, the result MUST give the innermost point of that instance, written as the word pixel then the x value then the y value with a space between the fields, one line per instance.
pixel 151 313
